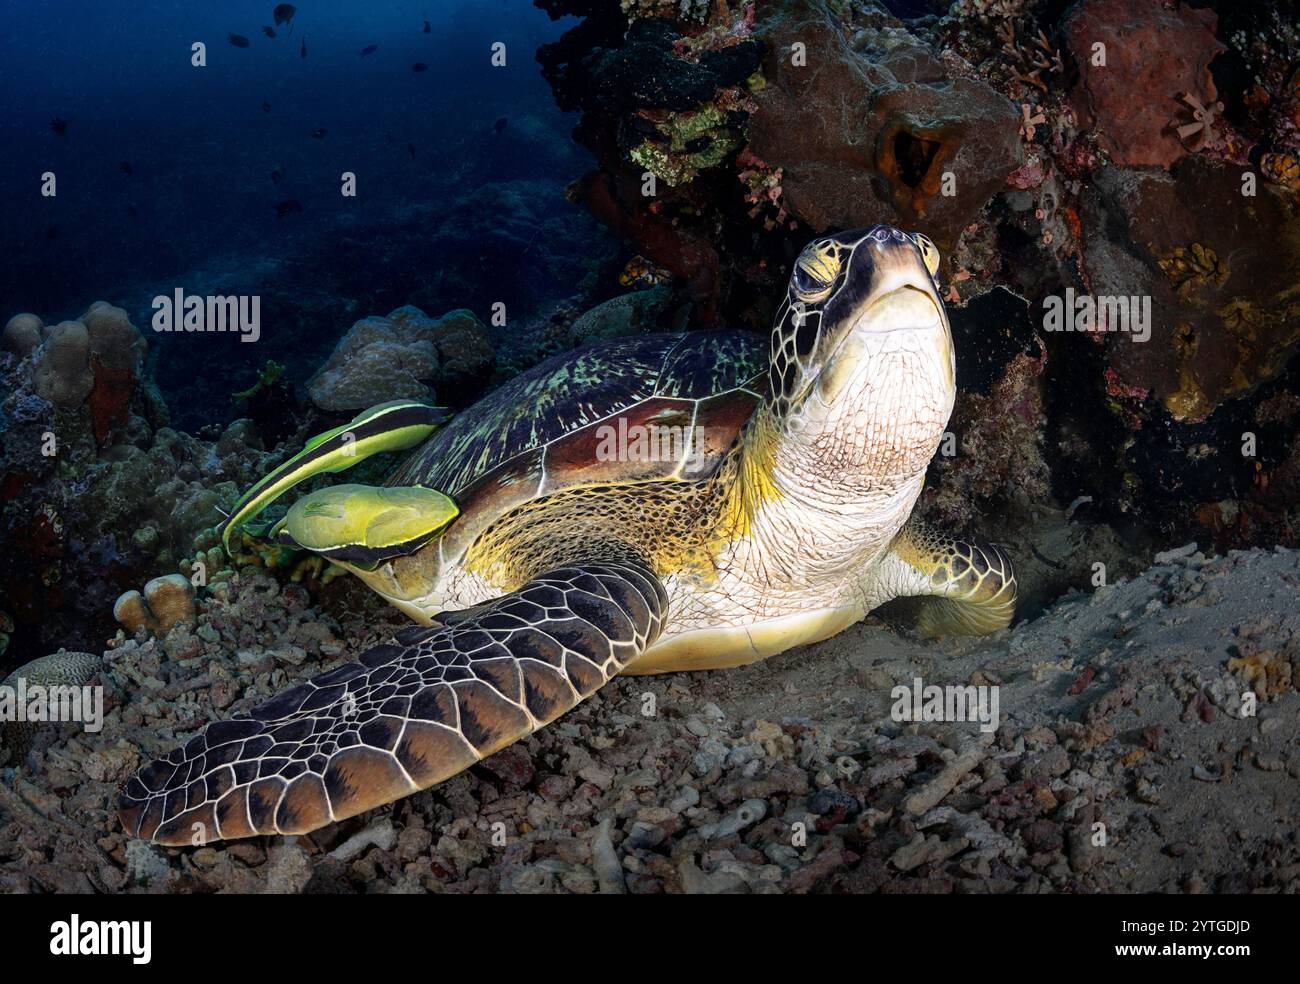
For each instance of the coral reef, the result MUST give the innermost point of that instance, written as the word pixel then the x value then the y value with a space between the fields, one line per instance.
pixel 1154 54
pixel 166 601
pixel 1224 311
pixel 892 119
pixel 97 358
pixel 63 375
pixel 99 494
pixel 1034 60
pixel 1163 165
pixel 22 334
pixel 627 314
pixel 406 355
pixel 1106 149
pixel 669 95
pixel 270 403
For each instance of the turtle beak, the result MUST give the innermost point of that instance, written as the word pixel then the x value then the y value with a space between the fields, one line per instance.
pixel 902 295
pixel 910 307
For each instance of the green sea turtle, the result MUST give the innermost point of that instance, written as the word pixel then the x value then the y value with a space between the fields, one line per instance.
pixel 643 505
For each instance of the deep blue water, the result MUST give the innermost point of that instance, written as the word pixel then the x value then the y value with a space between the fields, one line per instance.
pixel 453 209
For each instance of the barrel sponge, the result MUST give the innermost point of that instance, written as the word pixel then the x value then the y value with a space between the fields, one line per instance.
pixel 114 341
pixel 23 333
pixel 63 375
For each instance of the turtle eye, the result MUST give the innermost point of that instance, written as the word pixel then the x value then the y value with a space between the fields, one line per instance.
pixel 807 284
pixel 815 272
pixel 929 253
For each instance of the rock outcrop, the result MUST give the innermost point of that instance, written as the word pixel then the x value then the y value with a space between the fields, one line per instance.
pixel 406 355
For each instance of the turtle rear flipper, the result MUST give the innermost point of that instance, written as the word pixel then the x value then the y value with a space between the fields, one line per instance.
pixel 406 715
pixel 955 587
pixel 394 426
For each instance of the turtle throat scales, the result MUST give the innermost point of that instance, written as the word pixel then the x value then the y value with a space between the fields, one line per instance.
pixel 863 384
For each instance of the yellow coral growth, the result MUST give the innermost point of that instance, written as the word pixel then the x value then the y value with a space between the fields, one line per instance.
pixel 1266 673
pixel 1191 268
pixel 315 568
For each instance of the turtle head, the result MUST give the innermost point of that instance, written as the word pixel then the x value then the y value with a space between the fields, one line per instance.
pixel 862 356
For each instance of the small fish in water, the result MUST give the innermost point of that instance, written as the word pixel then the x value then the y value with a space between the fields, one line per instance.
pixel 266 106
pixel 410 149
pixel 369 49
pixel 287 206
pixel 132 211
pixel 126 167
pixel 500 124
pixel 427 28
pixel 388 139
pixel 52 233
pixel 318 133
pixel 59 126
pixel 283 14
pixel 302 52
pixel 419 67
pixel 277 175
pixel 238 40
pixel 268 31
pixel 640 273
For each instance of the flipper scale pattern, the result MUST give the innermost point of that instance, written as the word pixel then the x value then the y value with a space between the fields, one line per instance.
pixel 404 716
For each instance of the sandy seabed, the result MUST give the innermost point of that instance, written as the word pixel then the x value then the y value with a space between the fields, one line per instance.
pixel 1124 761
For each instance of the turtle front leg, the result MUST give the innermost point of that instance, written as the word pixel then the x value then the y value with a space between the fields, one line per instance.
pixel 961 587
pixel 406 715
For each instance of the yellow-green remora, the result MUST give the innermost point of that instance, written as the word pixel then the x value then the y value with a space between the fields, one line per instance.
pixel 394 426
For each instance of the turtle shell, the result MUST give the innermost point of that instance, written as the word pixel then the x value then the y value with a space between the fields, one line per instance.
pixel 542 432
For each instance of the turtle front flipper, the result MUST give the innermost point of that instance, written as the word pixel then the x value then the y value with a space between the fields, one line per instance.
pixel 406 715
pixel 395 426
pixel 959 587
